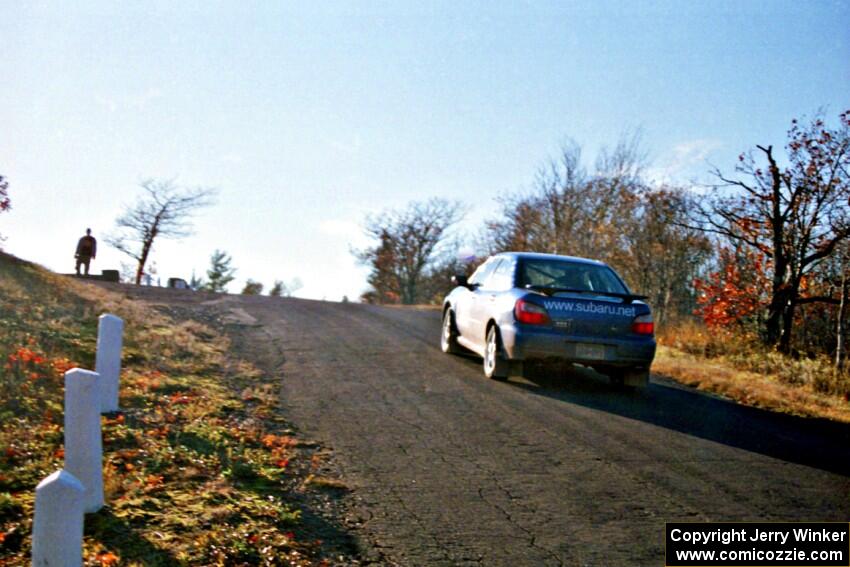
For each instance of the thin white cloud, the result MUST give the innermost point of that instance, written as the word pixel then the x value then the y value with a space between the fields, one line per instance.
pixel 684 159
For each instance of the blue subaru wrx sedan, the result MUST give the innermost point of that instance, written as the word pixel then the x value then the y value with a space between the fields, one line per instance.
pixel 521 306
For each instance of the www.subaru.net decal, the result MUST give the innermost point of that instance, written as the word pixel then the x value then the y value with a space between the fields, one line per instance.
pixel 595 308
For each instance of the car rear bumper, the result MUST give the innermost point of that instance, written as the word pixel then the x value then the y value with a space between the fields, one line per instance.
pixel 524 342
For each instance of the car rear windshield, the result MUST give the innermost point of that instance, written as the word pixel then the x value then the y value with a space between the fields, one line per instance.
pixel 569 275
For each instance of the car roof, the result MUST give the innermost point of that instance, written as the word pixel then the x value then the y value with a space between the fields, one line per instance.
pixel 542 256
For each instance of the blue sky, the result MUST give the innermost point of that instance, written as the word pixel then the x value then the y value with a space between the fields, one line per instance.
pixel 308 118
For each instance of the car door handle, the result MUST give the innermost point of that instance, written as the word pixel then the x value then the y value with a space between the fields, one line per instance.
pixel 492 298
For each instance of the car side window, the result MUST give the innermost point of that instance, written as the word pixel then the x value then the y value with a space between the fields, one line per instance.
pixel 487 280
pixel 502 276
pixel 482 272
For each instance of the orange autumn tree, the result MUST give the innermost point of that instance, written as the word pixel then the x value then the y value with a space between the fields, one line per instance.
pixel 792 210
pixel 385 288
pixel 734 295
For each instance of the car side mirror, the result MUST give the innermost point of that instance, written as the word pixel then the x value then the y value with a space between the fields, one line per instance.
pixel 461 280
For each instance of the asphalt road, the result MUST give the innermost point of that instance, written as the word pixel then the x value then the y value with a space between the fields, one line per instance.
pixel 450 468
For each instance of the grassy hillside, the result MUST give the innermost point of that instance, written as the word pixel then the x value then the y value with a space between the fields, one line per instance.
pixel 198 467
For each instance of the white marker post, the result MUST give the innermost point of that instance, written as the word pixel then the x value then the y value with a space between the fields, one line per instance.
pixel 83 445
pixel 57 529
pixel 110 333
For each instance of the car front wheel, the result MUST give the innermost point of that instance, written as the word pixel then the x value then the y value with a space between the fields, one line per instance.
pixel 495 366
pixel 448 335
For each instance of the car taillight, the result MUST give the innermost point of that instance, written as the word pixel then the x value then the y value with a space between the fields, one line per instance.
pixel 530 313
pixel 643 325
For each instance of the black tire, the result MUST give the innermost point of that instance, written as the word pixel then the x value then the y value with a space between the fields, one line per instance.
pixel 617 377
pixel 495 366
pixel 629 378
pixel 448 334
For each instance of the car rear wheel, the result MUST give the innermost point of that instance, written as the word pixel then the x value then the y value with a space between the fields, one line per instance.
pixel 495 366
pixel 448 335
pixel 629 377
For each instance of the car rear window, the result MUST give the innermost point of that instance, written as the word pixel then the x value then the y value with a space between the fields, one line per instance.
pixel 569 275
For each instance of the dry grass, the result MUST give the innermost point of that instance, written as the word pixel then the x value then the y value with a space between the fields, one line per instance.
pixel 197 466
pixel 736 366
pixel 326 483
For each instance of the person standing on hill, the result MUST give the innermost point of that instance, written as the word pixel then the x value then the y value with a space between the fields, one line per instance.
pixel 86 251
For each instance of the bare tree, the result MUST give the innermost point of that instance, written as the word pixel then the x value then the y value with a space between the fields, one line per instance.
pixel 520 227
pixel 571 211
pixel 5 202
pixel 609 214
pixel 407 245
pixel 796 216
pixel 660 257
pixel 165 210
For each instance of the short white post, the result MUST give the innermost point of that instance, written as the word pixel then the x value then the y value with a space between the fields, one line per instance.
pixel 110 333
pixel 57 529
pixel 83 445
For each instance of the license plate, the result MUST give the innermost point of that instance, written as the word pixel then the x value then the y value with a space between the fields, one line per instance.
pixel 591 351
